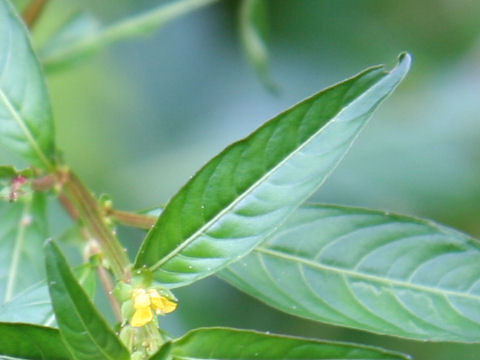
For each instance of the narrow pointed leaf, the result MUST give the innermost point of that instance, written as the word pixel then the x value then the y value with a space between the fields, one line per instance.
pixel 253 24
pixel 55 57
pixel 23 230
pixel 241 196
pixel 233 344
pixel 26 126
pixel 368 270
pixel 31 342
pixel 84 331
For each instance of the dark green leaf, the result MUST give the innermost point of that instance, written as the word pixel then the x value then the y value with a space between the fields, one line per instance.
pixel 32 342
pixel 368 270
pixel 26 126
pixel 23 229
pixel 224 343
pixel 253 23
pixel 249 189
pixel 83 330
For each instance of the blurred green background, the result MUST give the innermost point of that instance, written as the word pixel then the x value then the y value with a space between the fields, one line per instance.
pixel 137 119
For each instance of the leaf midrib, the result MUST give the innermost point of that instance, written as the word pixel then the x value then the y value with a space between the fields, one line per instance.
pixel 257 183
pixel 74 307
pixel 17 249
pixel 364 276
pixel 17 117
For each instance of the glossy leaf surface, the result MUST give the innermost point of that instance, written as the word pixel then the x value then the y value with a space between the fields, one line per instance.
pixel 368 270
pixel 23 229
pixel 224 343
pixel 85 332
pixel 241 196
pixel 32 342
pixel 26 126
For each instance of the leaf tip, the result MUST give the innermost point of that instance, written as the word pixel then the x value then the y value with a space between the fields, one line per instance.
pixel 404 61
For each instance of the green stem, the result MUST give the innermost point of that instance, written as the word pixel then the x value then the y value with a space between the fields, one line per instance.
pixel 89 213
pixel 132 27
pixel 131 219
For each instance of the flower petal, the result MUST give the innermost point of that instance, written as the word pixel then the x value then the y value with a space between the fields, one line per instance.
pixel 161 304
pixel 141 300
pixel 141 317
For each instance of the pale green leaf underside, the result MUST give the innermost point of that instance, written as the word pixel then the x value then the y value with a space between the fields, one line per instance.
pixel 84 331
pixel 33 304
pixel 23 229
pixel 241 196
pixel 26 126
pixel 224 343
pixel 29 306
pixel 368 270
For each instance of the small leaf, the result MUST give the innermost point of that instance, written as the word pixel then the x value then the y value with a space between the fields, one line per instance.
pixel 253 24
pixel 7 173
pixel 233 344
pixel 369 270
pixel 56 57
pixel 23 229
pixel 83 330
pixel 26 126
pixel 244 193
pixel 32 342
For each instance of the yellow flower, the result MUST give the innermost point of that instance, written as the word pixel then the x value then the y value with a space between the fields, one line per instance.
pixel 145 302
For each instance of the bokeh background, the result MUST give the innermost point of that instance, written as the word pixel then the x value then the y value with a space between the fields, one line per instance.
pixel 138 118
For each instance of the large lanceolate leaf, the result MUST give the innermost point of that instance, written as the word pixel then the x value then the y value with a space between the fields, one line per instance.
pixel 25 341
pixel 368 270
pixel 233 344
pixel 245 192
pixel 26 126
pixel 84 331
pixel 23 229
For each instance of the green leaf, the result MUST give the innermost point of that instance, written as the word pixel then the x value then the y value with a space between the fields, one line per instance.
pixel 369 270
pixel 7 173
pixel 23 229
pixel 57 57
pixel 83 330
pixel 30 306
pixel 33 305
pixel 26 126
pixel 32 342
pixel 76 28
pixel 224 343
pixel 241 196
pixel 253 24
